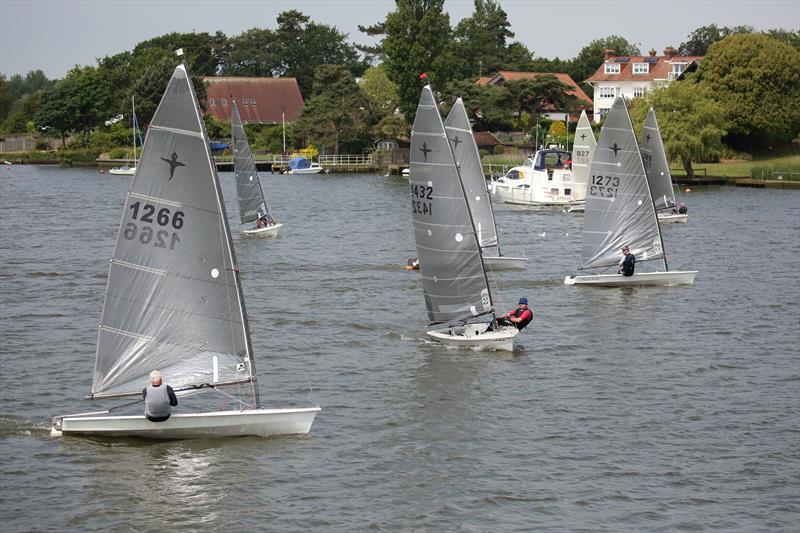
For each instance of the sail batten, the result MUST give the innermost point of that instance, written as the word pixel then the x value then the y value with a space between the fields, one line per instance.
pixel 453 278
pixel 619 205
pixel 173 299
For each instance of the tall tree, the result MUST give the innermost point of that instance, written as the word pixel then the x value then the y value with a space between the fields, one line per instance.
pixel 789 37
pixel 691 122
pixel 6 97
pixel 204 53
pixel 703 37
pixel 754 79
pixel 337 112
pixel 489 106
pixel 544 91
pixel 381 91
pixel 417 40
pixel 254 52
pixel 480 41
pixel 150 86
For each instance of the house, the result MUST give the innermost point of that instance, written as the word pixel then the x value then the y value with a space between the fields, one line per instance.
pixel 631 77
pixel 504 76
pixel 260 100
pixel 487 141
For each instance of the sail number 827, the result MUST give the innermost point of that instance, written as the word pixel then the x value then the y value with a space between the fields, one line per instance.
pixel 604 186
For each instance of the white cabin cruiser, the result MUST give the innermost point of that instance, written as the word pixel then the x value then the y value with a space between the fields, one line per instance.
pixel 544 179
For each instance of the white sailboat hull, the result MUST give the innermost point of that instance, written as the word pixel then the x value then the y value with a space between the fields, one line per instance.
pixel 577 207
pixel 504 262
pixel 519 195
pixel 123 171
pixel 253 422
pixel 674 277
pixel 476 336
pixel 266 231
pixel 673 218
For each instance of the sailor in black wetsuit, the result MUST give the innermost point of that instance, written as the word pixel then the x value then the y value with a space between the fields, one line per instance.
pixel 627 263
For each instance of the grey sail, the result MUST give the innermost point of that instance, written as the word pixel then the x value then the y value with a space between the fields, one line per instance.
pixel 582 155
pixel 655 164
pixel 468 160
pixel 173 300
pixel 619 208
pixel 453 277
pixel 252 202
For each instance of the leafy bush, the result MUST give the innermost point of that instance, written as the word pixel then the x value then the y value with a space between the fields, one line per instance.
pixel 499 149
pixel 41 144
pixel 784 171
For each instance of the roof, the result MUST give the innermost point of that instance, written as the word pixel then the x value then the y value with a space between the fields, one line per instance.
pixel 258 99
pixel 660 68
pixel 504 76
pixel 486 138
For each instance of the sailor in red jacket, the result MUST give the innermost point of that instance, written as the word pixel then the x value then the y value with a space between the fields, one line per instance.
pixel 519 317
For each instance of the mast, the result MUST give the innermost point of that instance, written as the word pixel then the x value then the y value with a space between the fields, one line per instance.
pixel 133 125
pixel 231 251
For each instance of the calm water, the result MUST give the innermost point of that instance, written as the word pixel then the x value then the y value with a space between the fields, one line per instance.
pixel 641 409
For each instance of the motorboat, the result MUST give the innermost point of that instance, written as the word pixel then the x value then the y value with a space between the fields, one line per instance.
pixel 542 180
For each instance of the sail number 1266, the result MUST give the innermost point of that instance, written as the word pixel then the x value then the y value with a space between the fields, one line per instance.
pixel 147 214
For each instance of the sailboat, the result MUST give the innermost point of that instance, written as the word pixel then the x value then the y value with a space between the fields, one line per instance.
pixel 454 279
pixel 582 155
pixel 125 170
pixel 655 164
pixel 174 299
pixel 252 202
pixel 620 211
pixel 468 159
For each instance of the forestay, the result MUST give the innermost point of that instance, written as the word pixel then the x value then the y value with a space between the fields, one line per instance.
pixel 173 300
pixel 453 277
pixel 619 208
pixel 655 164
pixel 468 160
pixel 252 202
pixel 582 155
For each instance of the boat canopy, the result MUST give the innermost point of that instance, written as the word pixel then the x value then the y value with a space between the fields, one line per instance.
pixel 218 146
pixel 297 163
pixel 549 158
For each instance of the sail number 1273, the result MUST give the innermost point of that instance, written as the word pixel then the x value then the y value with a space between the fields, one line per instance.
pixel 420 200
pixel 604 186
pixel 145 233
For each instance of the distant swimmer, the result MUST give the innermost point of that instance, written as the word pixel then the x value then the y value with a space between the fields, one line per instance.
pixel 413 264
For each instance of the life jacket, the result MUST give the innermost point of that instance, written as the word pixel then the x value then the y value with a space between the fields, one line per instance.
pixel 156 403
pixel 518 313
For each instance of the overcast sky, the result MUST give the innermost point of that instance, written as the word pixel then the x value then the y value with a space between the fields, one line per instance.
pixel 55 35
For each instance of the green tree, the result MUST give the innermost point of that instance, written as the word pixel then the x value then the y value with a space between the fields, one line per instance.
pixel 532 96
pixel 381 91
pixel 488 105
pixel 6 97
pixel 304 45
pixel 755 80
pixel 253 53
pixel 393 126
pixel 417 40
pixel 337 112
pixel 791 38
pixel 150 87
pixel 703 37
pixel 480 41
pixel 691 122
pixel 204 53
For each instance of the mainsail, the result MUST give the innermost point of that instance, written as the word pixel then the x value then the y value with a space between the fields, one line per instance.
pixel 582 155
pixel 655 164
pixel 252 203
pixel 619 208
pixel 173 300
pixel 468 160
pixel 453 278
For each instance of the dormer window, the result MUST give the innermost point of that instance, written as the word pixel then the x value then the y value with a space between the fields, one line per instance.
pixel 224 101
pixel 212 102
pixel 641 68
pixel 244 101
pixel 612 68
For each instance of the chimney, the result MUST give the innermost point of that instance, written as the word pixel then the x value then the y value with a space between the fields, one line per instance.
pixel 608 53
pixel 652 53
pixel 669 52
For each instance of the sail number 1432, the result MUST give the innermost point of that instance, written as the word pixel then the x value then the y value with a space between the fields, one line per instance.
pixel 604 186
pixel 147 214
pixel 420 204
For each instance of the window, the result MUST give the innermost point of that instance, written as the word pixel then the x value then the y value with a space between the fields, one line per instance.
pixel 641 68
pixel 244 101
pixel 211 102
pixel 612 68
pixel 567 192
pixel 677 68
pixel 606 92
pixel 638 92
pixel 252 101
pixel 224 101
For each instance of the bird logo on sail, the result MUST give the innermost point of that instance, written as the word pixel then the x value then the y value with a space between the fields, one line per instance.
pixel 173 164
pixel 425 150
